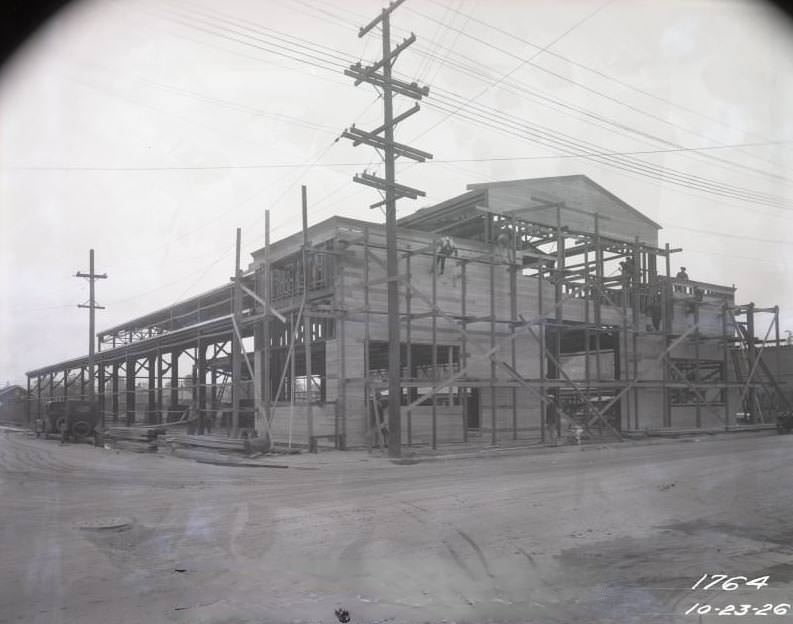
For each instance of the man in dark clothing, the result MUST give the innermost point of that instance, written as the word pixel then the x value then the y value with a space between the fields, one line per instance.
pixel 681 274
pixel 446 248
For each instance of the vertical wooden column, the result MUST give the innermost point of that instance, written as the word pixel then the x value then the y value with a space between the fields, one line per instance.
pixel 367 340
pixel 491 248
pixel 625 364
pixel 131 372
pixel 541 316
pixel 408 346
pixel 160 386
pixel 697 373
pixel 114 389
pixel 341 338
pixel 513 317
pixel 750 393
pixel 725 364
pixel 292 374
pixel 28 399
pixel 201 381
pixel 151 390
pixel 38 396
pixel 236 346
pixel 174 399
pixel 434 343
pixel 668 306
pixel 101 394
pixel 213 390
pixel 636 289
pixel 307 259
pixel 266 382
pixel 597 312
pixel 556 349
pixel 587 297
pixel 464 344
pixel 778 344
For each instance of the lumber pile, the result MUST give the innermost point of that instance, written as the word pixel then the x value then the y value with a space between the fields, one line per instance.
pixel 215 443
pixel 141 439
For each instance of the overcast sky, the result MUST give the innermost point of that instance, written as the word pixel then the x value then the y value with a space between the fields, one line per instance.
pixel 151 130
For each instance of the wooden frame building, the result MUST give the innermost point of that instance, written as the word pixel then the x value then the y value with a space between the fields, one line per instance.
pixel 556 317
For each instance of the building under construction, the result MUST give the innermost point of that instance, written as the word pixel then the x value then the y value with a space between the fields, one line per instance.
pixel 537 310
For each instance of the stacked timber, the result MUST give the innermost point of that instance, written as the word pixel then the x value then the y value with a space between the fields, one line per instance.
pixel 214 443
pixel 138 439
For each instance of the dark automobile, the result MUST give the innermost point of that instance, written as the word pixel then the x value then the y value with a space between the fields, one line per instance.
pixel 72 418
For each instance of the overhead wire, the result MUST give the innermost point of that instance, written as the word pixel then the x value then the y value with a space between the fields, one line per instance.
pixel 597 72
pixel 640 167
pixel 578 84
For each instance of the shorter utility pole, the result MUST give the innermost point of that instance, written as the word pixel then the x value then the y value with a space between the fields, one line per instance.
pixel 91 276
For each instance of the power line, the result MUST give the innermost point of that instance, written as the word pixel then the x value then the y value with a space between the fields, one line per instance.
pixel 640 167
pixel 519 65
pixel 613 99
pixel 477 71
pixel 522 128
pixel 76 168
pixel 599 73
pixel 552 102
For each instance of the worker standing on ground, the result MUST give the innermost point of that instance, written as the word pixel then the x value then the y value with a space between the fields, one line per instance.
pixel 445 249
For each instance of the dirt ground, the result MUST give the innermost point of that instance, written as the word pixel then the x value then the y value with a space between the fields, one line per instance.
pixel 602 535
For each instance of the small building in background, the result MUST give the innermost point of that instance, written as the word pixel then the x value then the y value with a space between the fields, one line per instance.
pixel 12 405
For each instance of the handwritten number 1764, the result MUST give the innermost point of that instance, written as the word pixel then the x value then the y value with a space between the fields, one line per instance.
pixel 722 581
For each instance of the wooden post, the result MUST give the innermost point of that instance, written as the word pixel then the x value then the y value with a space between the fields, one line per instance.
pixel 130 402
pixel 434 343
pixel 697 339
pixel 266 339
pixel 513 315
pixel 292 373
pixel 160 385
pixel 540 314
pixel 201 380
pixel 341 337
pixel 174 402
pixel 750 393
pixel 725 393
pixel 114 390
pixel 101 394
pixel 307 321
pixel 409 346
pixel 237 346
pixel 778 344
pixel 367 337
pixel 556 350
pixel 464 344
pixel 491 249
pixel 667 308
pixel 151 389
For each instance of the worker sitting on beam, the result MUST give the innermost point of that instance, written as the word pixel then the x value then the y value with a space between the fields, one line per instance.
pixel 444 248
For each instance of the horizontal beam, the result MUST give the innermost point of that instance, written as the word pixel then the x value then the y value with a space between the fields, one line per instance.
pixel 394 53
pixel 411 90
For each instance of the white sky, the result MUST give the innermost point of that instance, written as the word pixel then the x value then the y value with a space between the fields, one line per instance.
pixel 151 130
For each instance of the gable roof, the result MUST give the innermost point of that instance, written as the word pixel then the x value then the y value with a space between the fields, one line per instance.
pixel 553 188
pixel 11 390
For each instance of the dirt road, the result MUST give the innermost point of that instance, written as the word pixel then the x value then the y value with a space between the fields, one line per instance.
pixel 596 536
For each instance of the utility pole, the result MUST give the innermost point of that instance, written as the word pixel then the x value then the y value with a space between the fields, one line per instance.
pixel 91 276
pixel 393 191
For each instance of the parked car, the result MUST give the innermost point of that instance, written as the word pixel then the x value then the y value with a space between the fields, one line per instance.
pixel 72 418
